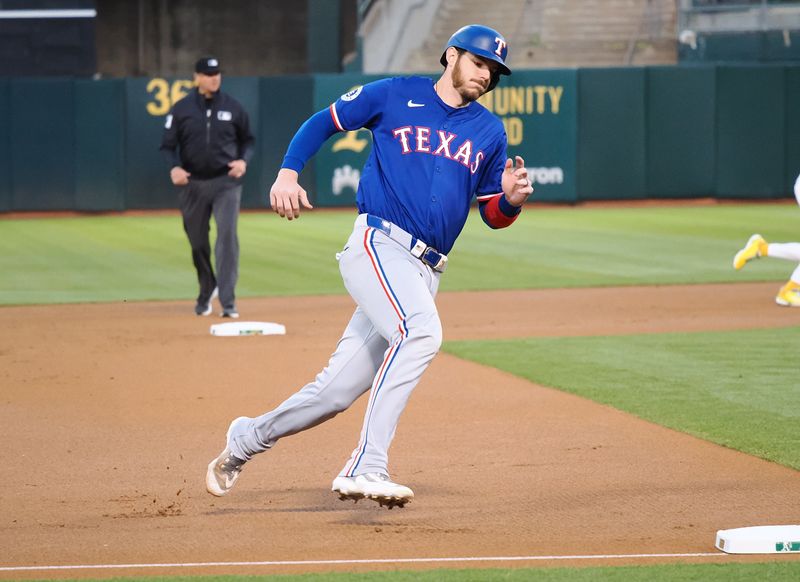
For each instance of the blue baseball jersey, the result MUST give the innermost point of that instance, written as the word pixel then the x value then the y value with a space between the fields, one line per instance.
pixel 428 159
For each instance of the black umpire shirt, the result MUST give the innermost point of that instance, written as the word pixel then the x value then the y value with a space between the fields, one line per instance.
pixel 202 135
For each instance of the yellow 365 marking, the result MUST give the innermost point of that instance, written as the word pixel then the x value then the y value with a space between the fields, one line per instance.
pixel 166 94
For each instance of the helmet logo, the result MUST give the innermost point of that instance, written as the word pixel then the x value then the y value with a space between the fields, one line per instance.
pixel 501 44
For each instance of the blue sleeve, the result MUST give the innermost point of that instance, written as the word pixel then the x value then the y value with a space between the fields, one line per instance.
pixel 357 108
pixel 362 106
pixel 308 139
pixel 491 181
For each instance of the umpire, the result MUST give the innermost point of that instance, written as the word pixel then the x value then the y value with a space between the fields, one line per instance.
pixel 208 144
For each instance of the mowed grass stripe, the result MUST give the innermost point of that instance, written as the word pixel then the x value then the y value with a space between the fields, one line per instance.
pixel 785 570
pixel 591 247
pixel 737 389
pixel 115 258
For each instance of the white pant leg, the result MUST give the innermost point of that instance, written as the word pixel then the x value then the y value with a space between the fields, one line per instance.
pixel 788 251
pixel 795 278
pixel 347 376
pixel 396 291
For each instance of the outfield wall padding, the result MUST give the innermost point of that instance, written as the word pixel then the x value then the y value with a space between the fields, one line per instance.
pixel 586 134
pixel 147 102
pixel 792 131
pixel 751 131
pixel 680 131
pixel 42 136
pixel 611 134
pixel 5 147
pixel 285 102
pixel 99 145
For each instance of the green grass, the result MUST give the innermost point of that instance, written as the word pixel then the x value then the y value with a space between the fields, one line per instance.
pixel 777 571
pixel 115 258
pixel 737 389
pixel 589 247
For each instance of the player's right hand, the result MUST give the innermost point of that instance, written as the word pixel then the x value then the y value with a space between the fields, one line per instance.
pixel 286 195
pixel 179 176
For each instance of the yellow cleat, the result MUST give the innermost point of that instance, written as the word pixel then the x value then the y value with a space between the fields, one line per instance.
pixel 756 247
pixel 789 295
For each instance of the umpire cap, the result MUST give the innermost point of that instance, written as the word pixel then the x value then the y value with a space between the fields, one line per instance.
pixel 207 66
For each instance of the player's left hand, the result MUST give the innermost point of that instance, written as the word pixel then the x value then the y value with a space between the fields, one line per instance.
pixel 237 168
pixel 516 184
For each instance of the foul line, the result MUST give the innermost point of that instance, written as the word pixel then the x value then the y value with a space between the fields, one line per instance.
pixel 353 562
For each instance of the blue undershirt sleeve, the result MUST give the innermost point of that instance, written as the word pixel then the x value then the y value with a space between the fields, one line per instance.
pixel 308 139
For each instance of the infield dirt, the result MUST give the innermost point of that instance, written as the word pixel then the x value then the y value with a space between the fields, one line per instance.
pixel 109 414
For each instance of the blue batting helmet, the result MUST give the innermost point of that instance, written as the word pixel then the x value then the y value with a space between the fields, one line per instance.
pixel 484 42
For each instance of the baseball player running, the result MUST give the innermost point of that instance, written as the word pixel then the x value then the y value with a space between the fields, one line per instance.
pixel 757 246
pixel 434 149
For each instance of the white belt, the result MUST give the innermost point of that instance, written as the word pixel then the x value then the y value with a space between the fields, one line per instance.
pixel 428 255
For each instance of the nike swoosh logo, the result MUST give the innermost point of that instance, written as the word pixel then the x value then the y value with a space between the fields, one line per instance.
pixel 412 104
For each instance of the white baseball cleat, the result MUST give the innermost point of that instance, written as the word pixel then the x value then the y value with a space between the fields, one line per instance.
pixel 224 471
pixel 375 486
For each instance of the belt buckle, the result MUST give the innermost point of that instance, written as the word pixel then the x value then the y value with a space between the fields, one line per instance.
pixel 434 259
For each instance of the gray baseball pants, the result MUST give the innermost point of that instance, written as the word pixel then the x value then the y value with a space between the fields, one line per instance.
pixel 392 337
pixel 198 200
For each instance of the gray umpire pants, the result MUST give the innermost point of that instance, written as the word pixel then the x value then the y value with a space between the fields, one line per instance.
pixel 198 200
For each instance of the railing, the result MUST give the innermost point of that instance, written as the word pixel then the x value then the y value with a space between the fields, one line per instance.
pixel 734 3
pixel 737 15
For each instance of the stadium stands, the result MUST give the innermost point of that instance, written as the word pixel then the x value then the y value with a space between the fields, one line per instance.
pixel 550 33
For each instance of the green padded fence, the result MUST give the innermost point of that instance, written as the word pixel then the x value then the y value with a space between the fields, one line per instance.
pixel 42 136
pixel 99 141
pixel 680 131
pixel 285 103
pixel 751 131
pixel 586 134
pixel 792 129
pixel 611 134
pixel 5 147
